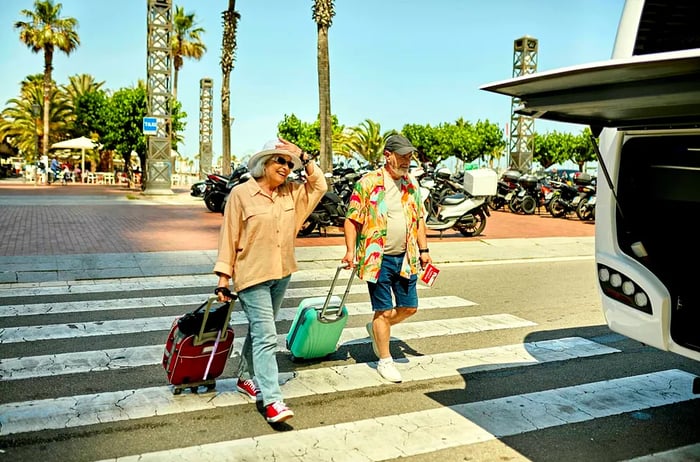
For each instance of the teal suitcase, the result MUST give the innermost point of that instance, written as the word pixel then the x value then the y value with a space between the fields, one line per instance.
pixel 318 323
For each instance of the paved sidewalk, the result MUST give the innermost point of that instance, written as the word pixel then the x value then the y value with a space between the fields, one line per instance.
pixel 80 232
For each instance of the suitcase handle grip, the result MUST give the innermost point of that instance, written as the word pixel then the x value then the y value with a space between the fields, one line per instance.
pixel 347 288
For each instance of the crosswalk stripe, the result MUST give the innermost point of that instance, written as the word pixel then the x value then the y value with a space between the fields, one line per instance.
pixel 129 326
pixel 140 284
pixel 404 435
pixel 75 411
pixel 120 358
pixel 170 301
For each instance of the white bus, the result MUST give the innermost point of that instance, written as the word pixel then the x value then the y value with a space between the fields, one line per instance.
pixel 643 105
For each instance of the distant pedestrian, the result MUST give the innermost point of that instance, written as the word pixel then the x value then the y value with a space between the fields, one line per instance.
pixel 385 236
pixel 256 249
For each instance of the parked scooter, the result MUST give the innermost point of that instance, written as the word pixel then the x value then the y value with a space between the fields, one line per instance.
pixel 462 211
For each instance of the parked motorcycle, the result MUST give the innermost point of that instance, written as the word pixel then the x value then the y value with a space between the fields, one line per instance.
pixel 531 195
pixel 215 191
pixel 585 209
pixel 507 183
pixel 198 188
pixel 239 175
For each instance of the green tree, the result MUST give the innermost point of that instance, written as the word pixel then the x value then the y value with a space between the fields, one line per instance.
pixel 45 31
pixel 186 42
pixel 303 134
pixel 582 150
pixel 123 118
pixel 323 12
pixel 18 123
pixel 88 113
pixel 228 49
pixel 460 139
pixel 367 141
pixel 87 99
pixel 553 148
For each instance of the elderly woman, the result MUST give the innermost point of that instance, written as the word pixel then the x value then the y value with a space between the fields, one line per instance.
pixel 256 249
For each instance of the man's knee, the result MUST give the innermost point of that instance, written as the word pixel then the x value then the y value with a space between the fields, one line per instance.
pixel 407 311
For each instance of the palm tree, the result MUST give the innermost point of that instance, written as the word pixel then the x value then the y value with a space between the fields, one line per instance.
pixel 81 84
pixel 228 48
pixel 323 13
pixel 367 141
pixel 46 31
pixel 18 123
pixel 186 42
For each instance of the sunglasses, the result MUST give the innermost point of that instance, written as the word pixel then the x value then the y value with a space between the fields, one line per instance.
pixel 282 161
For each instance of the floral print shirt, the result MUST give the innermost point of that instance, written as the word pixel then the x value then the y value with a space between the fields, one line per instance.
pixel 368 208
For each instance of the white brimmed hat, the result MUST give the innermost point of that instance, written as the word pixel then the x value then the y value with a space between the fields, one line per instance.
pixel 270 149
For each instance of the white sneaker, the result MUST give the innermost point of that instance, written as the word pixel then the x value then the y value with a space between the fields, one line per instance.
pixel 388 371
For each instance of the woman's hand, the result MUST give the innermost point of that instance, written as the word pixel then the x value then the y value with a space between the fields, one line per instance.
pixel 289 146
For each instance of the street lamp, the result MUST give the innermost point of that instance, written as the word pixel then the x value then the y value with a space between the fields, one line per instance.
pixel 36 111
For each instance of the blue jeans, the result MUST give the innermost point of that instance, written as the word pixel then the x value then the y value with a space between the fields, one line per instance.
pixel 261 303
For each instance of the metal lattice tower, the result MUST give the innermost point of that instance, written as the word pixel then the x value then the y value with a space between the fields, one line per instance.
pixel 206 87
pixel 158 171
pixel 522 134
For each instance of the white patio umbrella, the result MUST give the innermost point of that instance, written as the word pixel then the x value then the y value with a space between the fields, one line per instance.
pixel 81 143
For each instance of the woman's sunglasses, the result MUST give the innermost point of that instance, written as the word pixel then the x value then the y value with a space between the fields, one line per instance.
pixel 282 161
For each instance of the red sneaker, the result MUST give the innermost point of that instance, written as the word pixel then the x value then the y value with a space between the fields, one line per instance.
pixel 278 412
pixel 248 387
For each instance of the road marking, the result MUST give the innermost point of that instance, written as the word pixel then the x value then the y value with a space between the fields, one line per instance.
pixel 186 300
pixel 121 358
pixel 128 326
pixel 404 435
pixel 141 283
pixel 75 411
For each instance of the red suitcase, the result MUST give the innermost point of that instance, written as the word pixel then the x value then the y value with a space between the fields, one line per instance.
pixel 198 346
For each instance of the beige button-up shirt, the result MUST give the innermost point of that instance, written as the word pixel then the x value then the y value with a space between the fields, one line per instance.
pixel 256 242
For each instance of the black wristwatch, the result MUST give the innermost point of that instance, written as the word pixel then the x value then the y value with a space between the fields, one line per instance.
pixel 426 250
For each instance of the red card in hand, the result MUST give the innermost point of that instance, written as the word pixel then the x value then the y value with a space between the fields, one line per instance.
pixel 429 275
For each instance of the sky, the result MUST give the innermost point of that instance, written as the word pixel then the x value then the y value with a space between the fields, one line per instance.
pixel 395 62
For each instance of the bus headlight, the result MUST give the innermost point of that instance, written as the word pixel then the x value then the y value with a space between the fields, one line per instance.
pixel 623 289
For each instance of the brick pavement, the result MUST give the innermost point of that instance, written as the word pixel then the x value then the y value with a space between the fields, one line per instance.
pixel 85 219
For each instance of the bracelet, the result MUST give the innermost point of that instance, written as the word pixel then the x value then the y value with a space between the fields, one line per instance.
pixel 426 250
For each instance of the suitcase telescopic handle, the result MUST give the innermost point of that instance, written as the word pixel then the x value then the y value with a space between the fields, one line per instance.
pixel 347 288
pixel 206 306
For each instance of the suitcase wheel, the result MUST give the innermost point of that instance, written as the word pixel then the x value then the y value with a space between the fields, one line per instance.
pixel 194 389
pixel 177 391
pixel 211 386
pixel 294 358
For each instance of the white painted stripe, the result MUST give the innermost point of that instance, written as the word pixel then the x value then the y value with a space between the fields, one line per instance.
pixel 75 411
pixel 422 432
pixel 129 326
pixel 178 300
pixel 24 289
pixel 143 283
pixel 121 358
pixel 683 454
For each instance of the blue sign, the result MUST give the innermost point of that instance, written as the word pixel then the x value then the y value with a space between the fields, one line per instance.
pixel 150 125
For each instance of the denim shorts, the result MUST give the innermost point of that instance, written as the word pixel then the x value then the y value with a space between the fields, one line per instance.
pixel 390 281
